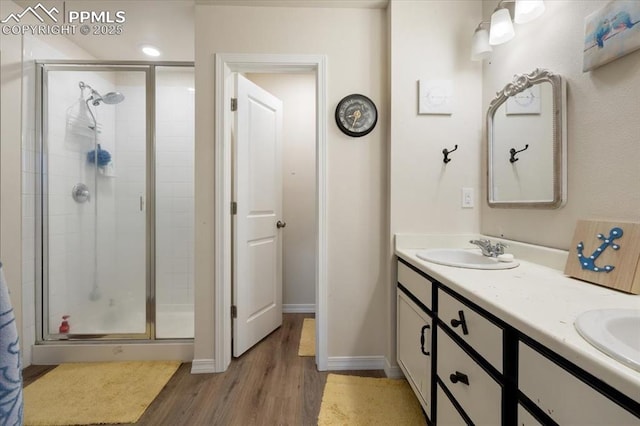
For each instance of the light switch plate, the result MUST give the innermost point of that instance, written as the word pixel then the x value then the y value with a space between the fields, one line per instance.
pixel 467 198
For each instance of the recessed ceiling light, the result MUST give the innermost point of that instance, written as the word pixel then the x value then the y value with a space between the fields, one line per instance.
pixel 150 51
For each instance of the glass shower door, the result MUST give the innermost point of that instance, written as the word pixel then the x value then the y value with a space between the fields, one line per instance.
pixel 94 149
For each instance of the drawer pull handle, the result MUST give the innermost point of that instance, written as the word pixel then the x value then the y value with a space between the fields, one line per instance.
pixel 456 322
pixel 459 377
pixel 422 339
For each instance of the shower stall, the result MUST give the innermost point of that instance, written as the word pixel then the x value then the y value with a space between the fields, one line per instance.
pixel 114 202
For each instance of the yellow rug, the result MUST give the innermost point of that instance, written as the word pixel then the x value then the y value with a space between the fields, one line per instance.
pixel 85 393
pixel 353 400
pixel 307 345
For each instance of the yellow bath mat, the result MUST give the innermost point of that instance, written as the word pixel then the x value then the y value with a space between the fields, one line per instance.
pixel 87 393
pixel 307 345
pixel 353 401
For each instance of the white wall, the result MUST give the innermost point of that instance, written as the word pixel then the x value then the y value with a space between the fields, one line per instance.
pixel 357 232
pixel 10 165
pixel 602 125
pixel 298 95
pixel 431 40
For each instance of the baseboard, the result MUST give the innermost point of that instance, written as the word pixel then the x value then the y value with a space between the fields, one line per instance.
pixel 203 366
pixel 299 308
pixel 337 363
pixel 58 353
pixel 392 371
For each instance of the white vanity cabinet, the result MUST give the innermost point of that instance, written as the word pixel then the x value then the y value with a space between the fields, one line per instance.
pixel 414 333
pixel 482 370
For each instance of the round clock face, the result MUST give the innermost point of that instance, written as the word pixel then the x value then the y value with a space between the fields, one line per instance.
pixel 356 115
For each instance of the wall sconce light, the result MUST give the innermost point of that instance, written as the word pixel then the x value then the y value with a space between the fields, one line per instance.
pixel 501 26
pixel 480 47
pixel 528 10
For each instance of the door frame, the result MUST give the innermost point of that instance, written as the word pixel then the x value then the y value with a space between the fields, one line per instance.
pixel 225 65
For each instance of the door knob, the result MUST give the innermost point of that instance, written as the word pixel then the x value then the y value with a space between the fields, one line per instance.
pixel 281 224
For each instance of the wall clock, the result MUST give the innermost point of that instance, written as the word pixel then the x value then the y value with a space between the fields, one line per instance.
pixel 356 115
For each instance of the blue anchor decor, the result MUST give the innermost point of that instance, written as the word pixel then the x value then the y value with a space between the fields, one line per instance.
pixel 589 263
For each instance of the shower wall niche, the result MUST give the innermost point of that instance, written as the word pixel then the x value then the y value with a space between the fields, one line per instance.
pixel 115 202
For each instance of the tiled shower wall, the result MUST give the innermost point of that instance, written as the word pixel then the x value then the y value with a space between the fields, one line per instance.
pixel 71 236
pixel 33 49
pixel 72 246
pixel 174 188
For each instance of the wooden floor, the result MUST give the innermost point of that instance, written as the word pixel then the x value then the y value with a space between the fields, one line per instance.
pixel 268 385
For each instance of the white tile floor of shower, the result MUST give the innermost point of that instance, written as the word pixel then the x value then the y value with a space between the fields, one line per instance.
pixel 105 317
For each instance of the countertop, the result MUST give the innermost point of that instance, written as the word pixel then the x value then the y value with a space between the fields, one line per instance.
pixel 537 299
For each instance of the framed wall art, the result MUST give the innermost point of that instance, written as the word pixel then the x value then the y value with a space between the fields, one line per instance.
pixel 525 102
pixel 610 33
pixel 435 97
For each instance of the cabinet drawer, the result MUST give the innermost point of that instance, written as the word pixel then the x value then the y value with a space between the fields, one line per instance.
pixel 564 397
pixel 417 285
pixel 447 413
pixel 481 397
pixel 483 335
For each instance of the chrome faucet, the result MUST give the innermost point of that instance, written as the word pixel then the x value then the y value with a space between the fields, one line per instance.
pixel 489 249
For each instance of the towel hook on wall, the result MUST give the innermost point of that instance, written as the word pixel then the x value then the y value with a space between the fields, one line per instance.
pixel 446 153
pixel 513 153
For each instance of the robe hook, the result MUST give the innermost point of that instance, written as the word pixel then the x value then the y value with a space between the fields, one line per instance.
pixel 446 153
pixel 513 153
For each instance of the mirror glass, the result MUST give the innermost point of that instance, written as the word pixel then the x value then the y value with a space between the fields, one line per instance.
pixel 527 143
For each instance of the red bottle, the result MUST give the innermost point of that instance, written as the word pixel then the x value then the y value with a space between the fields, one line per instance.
pixel 64 326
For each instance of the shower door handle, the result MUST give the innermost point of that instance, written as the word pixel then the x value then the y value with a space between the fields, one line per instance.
pixel 141 203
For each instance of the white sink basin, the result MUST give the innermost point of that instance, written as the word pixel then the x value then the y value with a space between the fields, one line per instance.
pixel 616 332
pixel 464 258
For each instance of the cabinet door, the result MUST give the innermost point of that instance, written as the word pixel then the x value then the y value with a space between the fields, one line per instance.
pixel 414 348
pixel 565 398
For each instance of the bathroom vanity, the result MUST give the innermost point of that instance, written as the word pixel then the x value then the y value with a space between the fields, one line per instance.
pixel 491 347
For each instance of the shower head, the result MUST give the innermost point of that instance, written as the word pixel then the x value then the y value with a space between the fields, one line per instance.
pixel 110 98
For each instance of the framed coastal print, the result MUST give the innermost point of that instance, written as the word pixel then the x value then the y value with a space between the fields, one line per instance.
pixel 610 33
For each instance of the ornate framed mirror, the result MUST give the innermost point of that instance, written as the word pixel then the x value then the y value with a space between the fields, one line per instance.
pixel 526 139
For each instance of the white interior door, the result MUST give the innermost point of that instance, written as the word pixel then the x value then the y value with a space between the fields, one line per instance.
pixel 257 190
